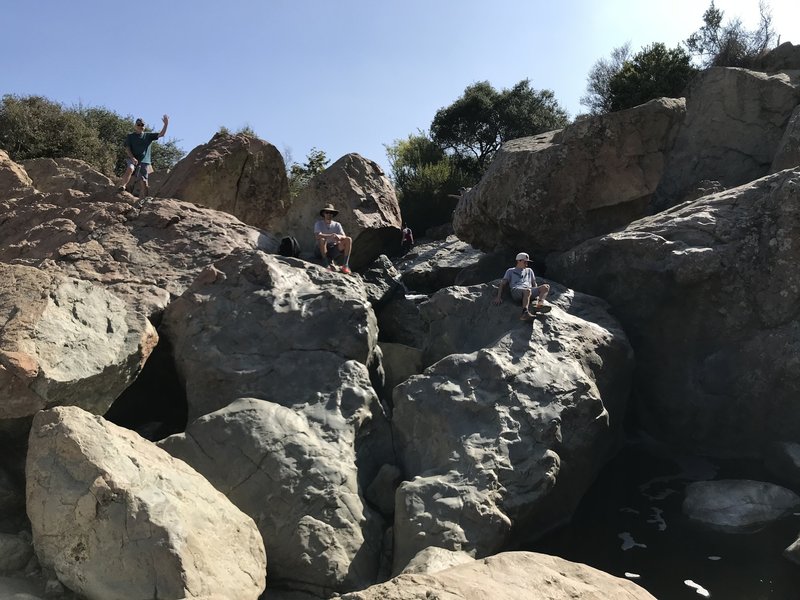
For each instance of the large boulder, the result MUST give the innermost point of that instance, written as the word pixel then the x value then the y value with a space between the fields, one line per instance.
pixel 65 341
pixel 368 209
pixel 735 121
pixel 552 191
pixel 785 57
pixel 145 256
pixel 508 576
pixel 502 436
pixel 118 518
pixel 299 486
pixel 432 266
pixel 57 175
pixel 709 294
pixel 237 174
pixel 14 181
pixel 288 333
pixel 737 505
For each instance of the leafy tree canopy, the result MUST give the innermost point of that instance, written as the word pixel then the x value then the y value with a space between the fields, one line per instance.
pixel 655 72
pixel 598 97
pixel 35 127
pixel 300 175
pixel 475 126
pixel 731 45
pixel 426 179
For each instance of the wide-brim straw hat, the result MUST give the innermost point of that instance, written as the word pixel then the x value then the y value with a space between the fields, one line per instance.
pixel 328 207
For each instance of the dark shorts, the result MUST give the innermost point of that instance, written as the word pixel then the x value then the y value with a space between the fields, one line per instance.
pixel 516 293
pixel 331 248
pixel 140 171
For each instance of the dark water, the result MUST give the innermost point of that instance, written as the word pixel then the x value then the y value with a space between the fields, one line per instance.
pixel 631 522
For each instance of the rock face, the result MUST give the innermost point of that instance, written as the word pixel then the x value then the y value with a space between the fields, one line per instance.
pixel 285 332
pixel 785 57
pixel 709 294
pixel 430 267
pixel 737 506
pixel 551 191
pixel 734 123
pixel 787 155
pixel 143 256
pixel 500 436
pixel 57 175
pixel 237 174
pixel 297 485
pixel 65 341
pixel 118 518
pixel 367 205
pixel 14 181
pixel 508 576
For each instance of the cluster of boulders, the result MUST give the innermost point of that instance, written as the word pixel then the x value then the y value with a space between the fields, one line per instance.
pixel 186 414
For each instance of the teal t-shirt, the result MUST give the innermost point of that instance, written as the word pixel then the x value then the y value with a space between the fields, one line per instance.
pixel 139 143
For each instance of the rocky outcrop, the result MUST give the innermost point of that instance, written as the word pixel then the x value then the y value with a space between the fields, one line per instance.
pixel 735 120
pixel 785 57
pixel 787 155
pixel 433 266
pixel 299 485
pixel 65 341
pixel 14 181
pixel 552 191
pixel 145 256
pixel 118 518
pixel 737 506
pixel 57 175
pixel 709 294
pixel 501 436
pixel 237 174
pixel 508 576
pixel 310 335
pixel 367 205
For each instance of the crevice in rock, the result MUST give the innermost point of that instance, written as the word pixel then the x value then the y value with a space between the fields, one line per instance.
pixel 155 404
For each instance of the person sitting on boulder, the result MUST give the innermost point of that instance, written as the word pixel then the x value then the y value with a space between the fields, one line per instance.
pixel 331 240
pixel 522 282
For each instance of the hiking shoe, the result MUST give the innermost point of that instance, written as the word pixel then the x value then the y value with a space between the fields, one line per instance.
pixel 331 268
pixel 526 316
pixel 121 188
pixel 542 308
pixel 346 270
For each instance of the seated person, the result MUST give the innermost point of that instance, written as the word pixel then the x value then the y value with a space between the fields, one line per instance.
pixel 331 240
pixel 523 286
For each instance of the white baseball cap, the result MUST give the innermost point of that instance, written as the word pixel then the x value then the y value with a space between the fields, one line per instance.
pixel 523 256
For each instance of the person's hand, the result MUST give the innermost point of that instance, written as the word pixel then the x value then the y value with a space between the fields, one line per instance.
pixel 165 118
pixel 497 300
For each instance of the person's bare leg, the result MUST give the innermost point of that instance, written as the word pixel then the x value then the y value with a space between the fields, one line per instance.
pixel 126 176
pixel 544 289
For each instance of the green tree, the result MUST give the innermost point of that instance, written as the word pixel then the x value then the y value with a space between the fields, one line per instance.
pixel 300 175
pixel 474 127
pixel 426 179
pixel 598 86
pixel 655 72
pixel 731 45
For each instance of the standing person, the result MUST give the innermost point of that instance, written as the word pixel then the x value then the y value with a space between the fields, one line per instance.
pixel 137 146
pixel 408 239
pixel 331 240
pixel 522 281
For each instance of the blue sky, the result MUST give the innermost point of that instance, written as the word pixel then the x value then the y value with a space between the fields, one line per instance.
pixel 339 75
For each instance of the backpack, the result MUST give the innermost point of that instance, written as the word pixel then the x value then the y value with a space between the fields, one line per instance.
pixel 289 247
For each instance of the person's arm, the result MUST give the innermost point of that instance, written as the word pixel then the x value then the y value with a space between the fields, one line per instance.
pixel 163 131
pixel 499 298
pixel 129 152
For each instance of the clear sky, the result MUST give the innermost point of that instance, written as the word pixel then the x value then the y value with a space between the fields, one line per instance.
pixel 339 75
